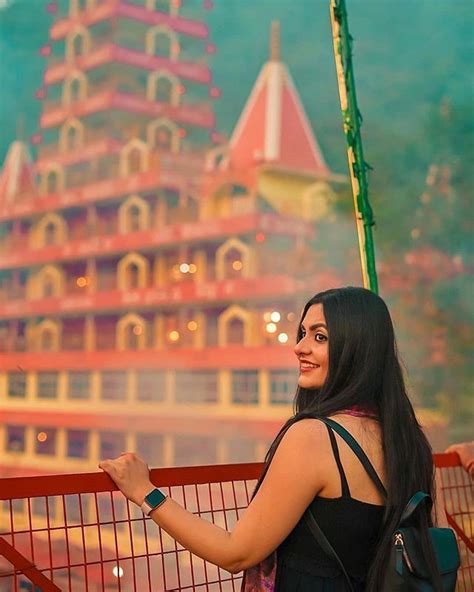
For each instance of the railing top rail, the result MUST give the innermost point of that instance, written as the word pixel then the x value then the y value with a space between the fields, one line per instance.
pixel 444 460
pixel 53 485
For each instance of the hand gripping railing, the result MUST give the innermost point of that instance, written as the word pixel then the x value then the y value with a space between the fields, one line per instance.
pixel 77 533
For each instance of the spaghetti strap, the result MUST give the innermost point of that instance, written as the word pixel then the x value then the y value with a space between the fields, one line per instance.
pixel 345 492
pixel 363 458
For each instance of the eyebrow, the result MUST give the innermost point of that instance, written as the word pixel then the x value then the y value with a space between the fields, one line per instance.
pixel 315 326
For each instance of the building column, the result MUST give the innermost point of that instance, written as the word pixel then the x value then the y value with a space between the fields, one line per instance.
pixel 131 441
pixel 63 386
pixel 263 389
pixel 96 387
pixel 200 261
pixel 199 337
pixel 159 271
pixel 31 386
pixel 61 445
pixel 29 441
pixel 224 394
pixel 158 332
pixel 89 334
pixel 94 447
pixel 3 386
pixel 91 275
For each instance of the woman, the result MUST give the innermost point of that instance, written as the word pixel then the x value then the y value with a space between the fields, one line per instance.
pixel 349 371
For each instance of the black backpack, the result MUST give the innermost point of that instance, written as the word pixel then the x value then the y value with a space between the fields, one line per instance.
pixel 408 569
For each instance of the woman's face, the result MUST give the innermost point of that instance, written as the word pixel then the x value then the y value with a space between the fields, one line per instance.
pixel 312 350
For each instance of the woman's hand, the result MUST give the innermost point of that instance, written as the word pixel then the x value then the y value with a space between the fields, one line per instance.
pixel 131 475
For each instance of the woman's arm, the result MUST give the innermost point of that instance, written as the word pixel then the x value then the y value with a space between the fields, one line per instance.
pixel 294 477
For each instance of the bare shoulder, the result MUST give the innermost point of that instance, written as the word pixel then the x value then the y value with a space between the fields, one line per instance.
pixel 308 431
pixel 307 438
pixel 366 428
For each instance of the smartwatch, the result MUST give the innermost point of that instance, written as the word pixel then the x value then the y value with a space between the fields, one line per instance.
pixel 152 500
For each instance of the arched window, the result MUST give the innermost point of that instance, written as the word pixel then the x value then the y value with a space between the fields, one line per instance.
pixel 234 327
pixel 132 272
pixel 163 135
pixel 233 260
pixel 78 46
pixel 134 161
pixel 47 283
pixel 77 43
pixel 49 230
pixel 134 158
pixel 163 6
pixel 132 337
pixel 133 276
pixel 72 138
pixel 235 331
pixel 48 287
pixel 47 341
pixel 134 215
pixel 233 264
pixel 163 138
pixel 52 182
pixel 134 219
pixel 163 90
pixel 51 234
pixel 75 90
pixel 131 333
pixel 162 41
pixel 162 45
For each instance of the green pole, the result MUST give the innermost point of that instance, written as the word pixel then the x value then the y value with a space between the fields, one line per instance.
pixel 352 123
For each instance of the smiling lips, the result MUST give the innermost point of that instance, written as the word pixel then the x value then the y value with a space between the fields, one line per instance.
pixel 307 366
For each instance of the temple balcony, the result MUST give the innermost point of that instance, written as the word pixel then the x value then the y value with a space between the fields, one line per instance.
pixel 186 292
pixel 199 114
pixel 179 230
pixel 119 8
pixel 106 52
pixel 230 357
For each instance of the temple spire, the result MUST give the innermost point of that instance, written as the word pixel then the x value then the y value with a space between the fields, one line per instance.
pixel 275 41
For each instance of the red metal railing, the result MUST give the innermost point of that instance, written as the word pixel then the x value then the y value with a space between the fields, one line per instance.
pixel 77 533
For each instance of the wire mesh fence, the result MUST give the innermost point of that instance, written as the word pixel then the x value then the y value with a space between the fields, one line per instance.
pixel 458 495
pixel 76 533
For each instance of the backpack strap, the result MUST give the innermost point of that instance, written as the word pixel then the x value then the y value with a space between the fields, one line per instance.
pixel 325 544
pixel 414 504
pixel 357 450
pixel 308 516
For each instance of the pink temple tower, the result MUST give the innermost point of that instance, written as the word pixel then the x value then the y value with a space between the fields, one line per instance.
pixel 150 281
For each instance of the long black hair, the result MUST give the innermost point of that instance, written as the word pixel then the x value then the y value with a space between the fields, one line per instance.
pixel 364 370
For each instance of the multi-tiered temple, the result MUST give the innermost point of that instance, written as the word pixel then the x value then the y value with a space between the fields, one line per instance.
pixel 150 281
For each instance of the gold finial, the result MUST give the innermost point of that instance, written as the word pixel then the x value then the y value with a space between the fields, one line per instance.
pixel 275 42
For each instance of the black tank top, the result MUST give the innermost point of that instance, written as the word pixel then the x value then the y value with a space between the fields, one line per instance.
pixel 351 526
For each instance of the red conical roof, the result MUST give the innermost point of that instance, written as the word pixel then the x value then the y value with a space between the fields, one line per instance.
pixel 17 176
pixel 273 128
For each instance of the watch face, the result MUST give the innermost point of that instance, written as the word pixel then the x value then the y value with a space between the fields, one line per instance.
pixel 154 498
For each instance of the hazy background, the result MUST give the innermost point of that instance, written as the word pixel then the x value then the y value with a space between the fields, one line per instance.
pixel 414 74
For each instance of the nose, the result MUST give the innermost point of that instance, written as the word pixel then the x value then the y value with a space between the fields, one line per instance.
pixel 302 347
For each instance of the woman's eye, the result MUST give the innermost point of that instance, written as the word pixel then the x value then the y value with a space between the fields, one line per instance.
pixel 323 337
